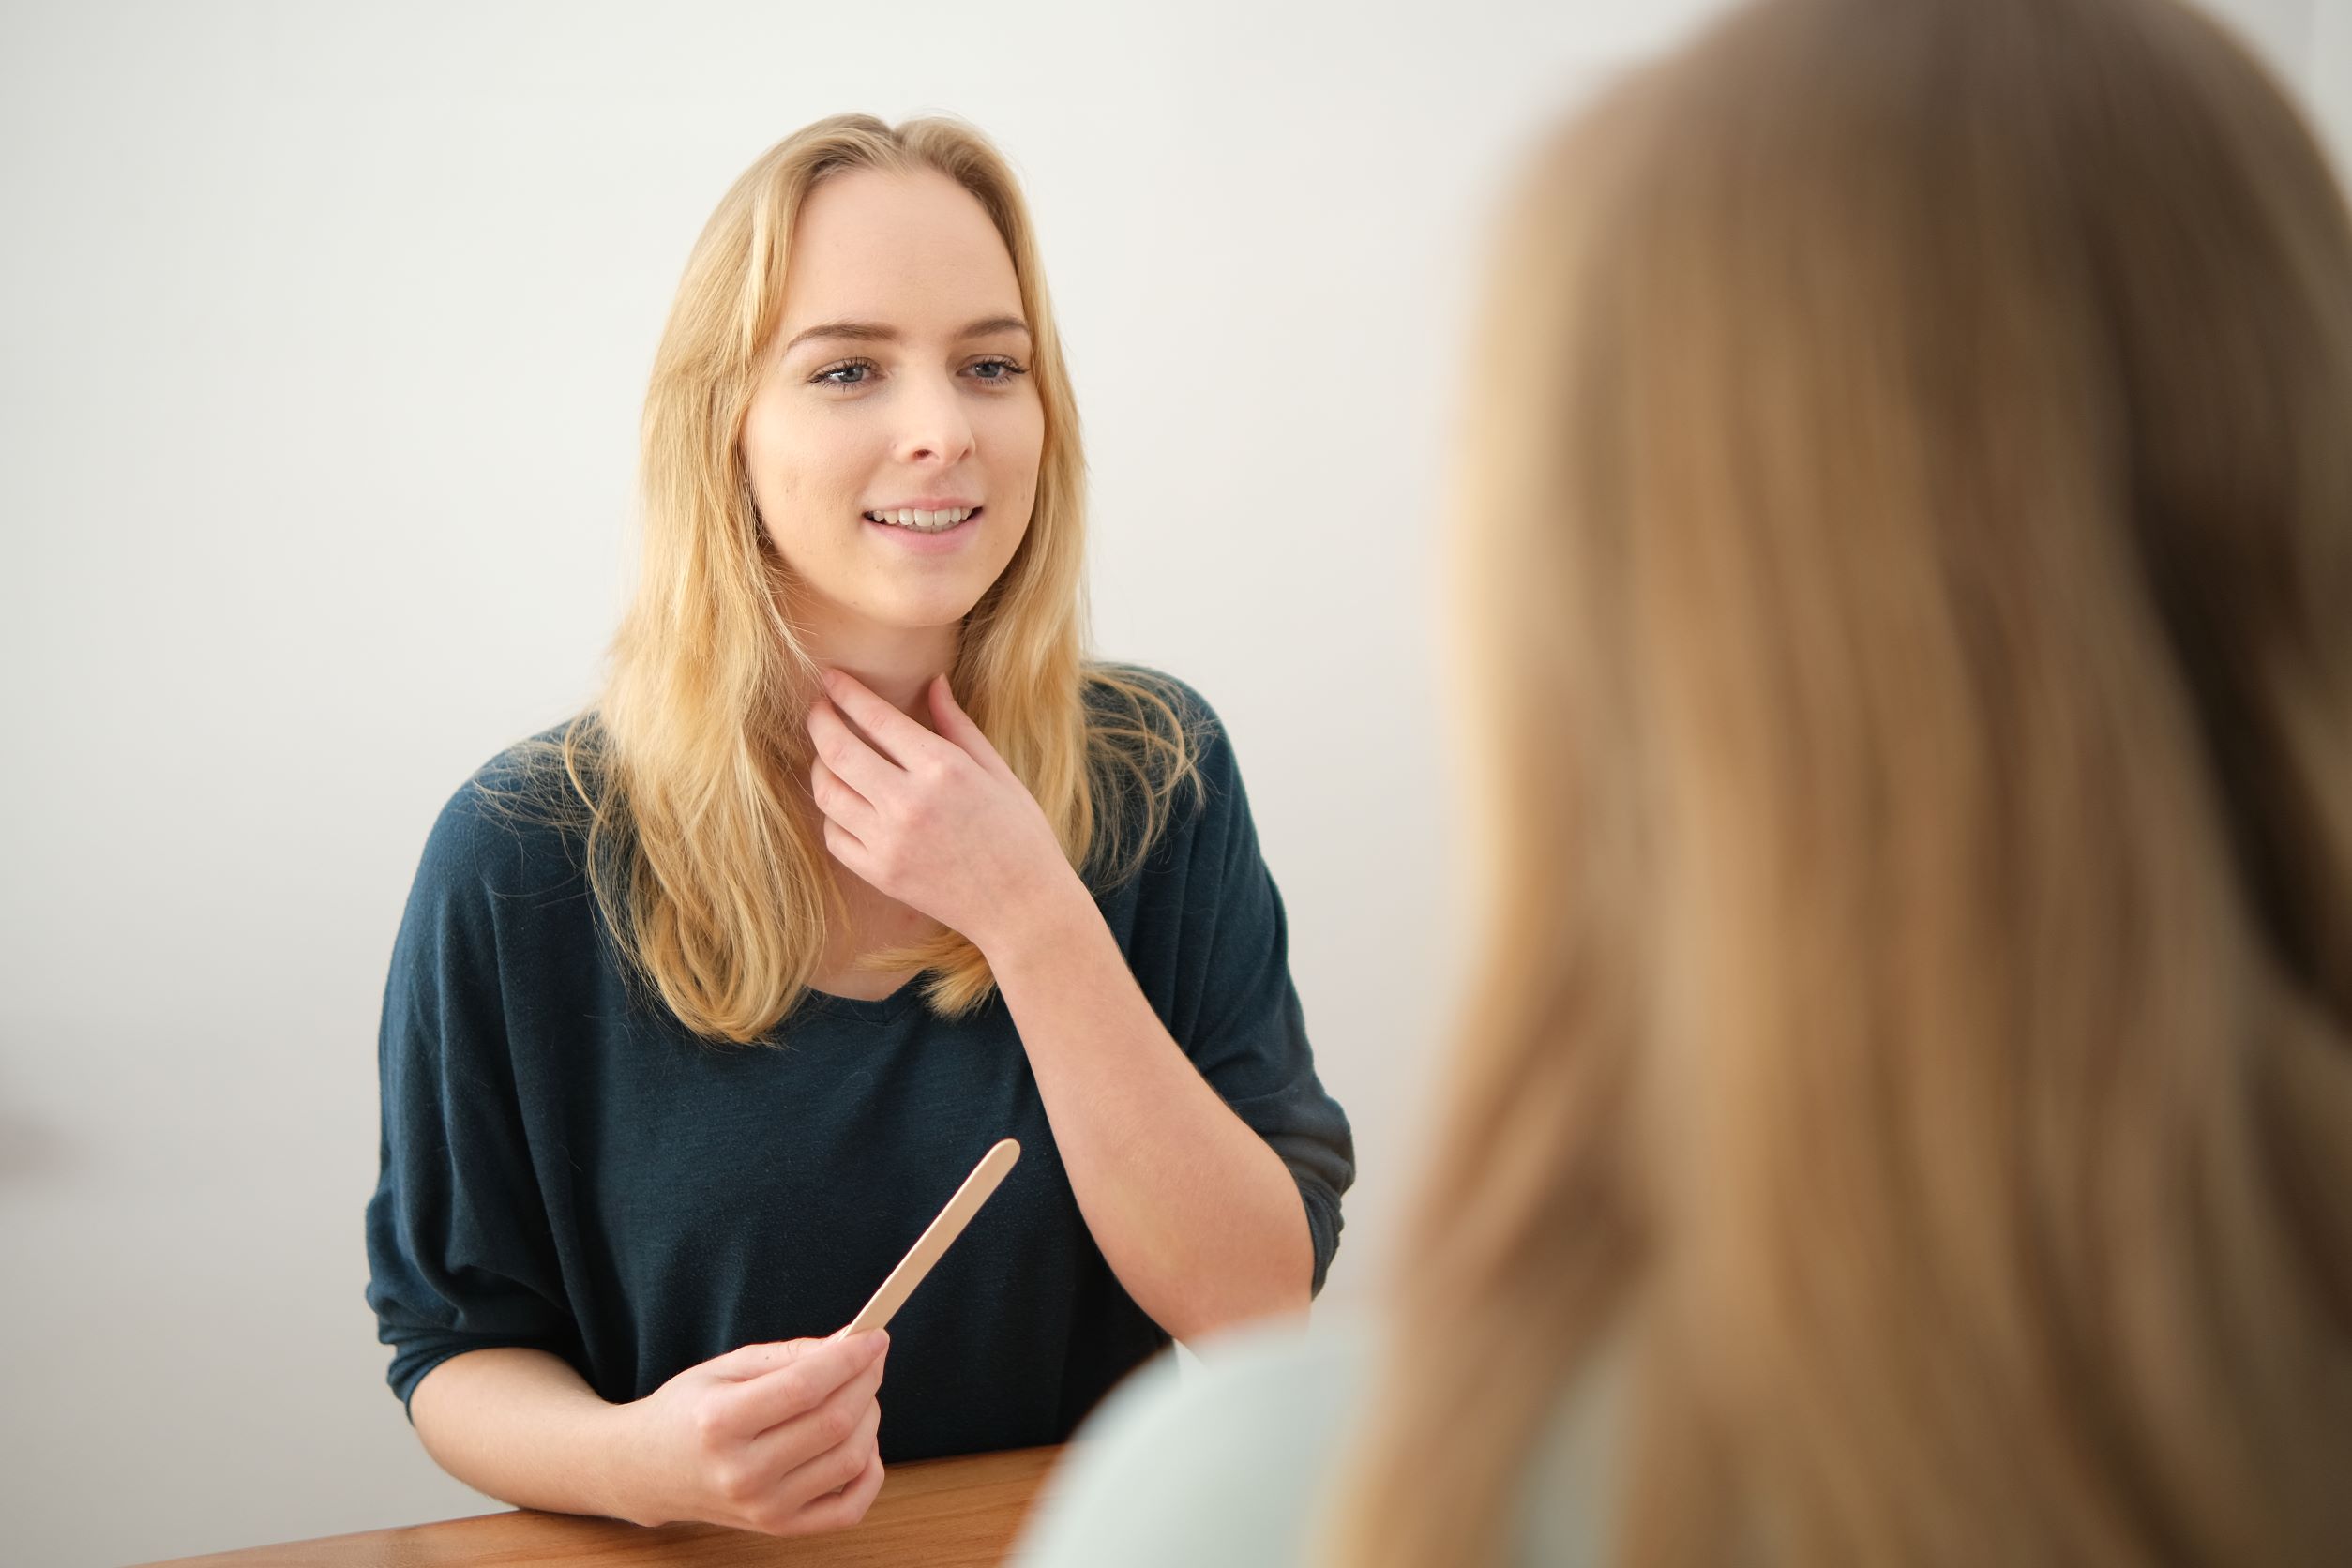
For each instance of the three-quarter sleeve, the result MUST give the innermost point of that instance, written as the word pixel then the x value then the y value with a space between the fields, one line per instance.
pixel 1237 1013
pixel 458 1250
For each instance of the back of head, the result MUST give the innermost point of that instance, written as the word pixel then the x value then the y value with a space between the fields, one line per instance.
pixel 1906 521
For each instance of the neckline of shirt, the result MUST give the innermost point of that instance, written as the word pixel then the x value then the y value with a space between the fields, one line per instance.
pixel 879 1009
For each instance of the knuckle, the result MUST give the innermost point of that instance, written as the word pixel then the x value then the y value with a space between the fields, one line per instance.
pixel 846 1464
pixel 734 1484
pixel 858 1495
pixel 704 1425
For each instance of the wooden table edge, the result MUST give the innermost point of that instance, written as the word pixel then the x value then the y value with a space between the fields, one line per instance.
pixel 919 1499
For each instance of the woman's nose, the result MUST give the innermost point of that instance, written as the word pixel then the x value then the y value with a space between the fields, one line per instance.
pixel 933 422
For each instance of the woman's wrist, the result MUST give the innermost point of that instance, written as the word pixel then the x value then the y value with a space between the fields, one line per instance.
pixel 617 1452
pixel 523 1427
pixel 1045 921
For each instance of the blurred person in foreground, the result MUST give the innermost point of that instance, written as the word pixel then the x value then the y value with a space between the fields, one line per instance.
pixel 1903 1110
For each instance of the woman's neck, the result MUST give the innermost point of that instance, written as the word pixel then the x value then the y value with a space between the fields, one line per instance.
pixel 896 664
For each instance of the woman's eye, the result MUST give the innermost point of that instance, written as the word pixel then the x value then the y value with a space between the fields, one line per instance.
pixel 857 372
pixel 1011 371
pixel 824 377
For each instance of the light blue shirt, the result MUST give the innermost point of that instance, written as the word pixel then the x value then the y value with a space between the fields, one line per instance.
pixel 1230 1459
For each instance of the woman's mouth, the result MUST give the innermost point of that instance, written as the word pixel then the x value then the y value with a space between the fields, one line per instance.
pixel 924 522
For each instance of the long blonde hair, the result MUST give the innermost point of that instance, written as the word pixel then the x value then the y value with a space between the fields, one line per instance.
pixel 689 776
pixel 1906 557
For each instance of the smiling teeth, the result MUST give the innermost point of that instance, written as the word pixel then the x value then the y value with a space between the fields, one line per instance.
pixel 922 522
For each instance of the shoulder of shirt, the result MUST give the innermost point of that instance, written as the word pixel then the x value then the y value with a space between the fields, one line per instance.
pixel 1219 1461
pixel 1192 711
pixel 1233 1461
pixel 513 826
pixel 1203 729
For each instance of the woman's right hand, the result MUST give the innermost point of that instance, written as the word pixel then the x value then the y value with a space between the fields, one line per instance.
pixel 778 1438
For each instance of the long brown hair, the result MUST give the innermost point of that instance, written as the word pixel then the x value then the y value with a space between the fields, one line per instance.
pixel 1905 556
pixel 688 778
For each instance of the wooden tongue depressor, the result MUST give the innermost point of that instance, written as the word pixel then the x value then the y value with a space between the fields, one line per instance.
pixel 936 1237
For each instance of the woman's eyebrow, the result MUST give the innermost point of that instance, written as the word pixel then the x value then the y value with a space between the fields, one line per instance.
pixel 879 332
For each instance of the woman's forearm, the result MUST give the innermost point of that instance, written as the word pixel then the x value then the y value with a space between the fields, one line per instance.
pixel 523 1427
pixel 1197 1215
pixel 781 1436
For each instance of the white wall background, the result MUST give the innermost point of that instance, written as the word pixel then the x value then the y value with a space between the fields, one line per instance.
pixel 324 332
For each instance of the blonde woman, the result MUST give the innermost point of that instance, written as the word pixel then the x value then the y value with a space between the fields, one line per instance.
pixel 1904 1111
pixel 704 1002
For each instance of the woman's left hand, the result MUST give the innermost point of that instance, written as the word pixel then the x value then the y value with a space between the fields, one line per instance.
pixel 937 822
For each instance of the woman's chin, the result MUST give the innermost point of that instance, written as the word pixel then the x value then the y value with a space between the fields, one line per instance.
pixel 898 616
pixel 929 613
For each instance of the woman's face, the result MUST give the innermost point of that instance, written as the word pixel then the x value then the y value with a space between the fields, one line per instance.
pixel 899 378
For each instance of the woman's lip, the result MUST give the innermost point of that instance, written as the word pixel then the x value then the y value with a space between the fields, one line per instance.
pixel 969 513
pixel 945 539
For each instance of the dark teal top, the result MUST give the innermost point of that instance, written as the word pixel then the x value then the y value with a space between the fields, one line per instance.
pixel 566 1167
